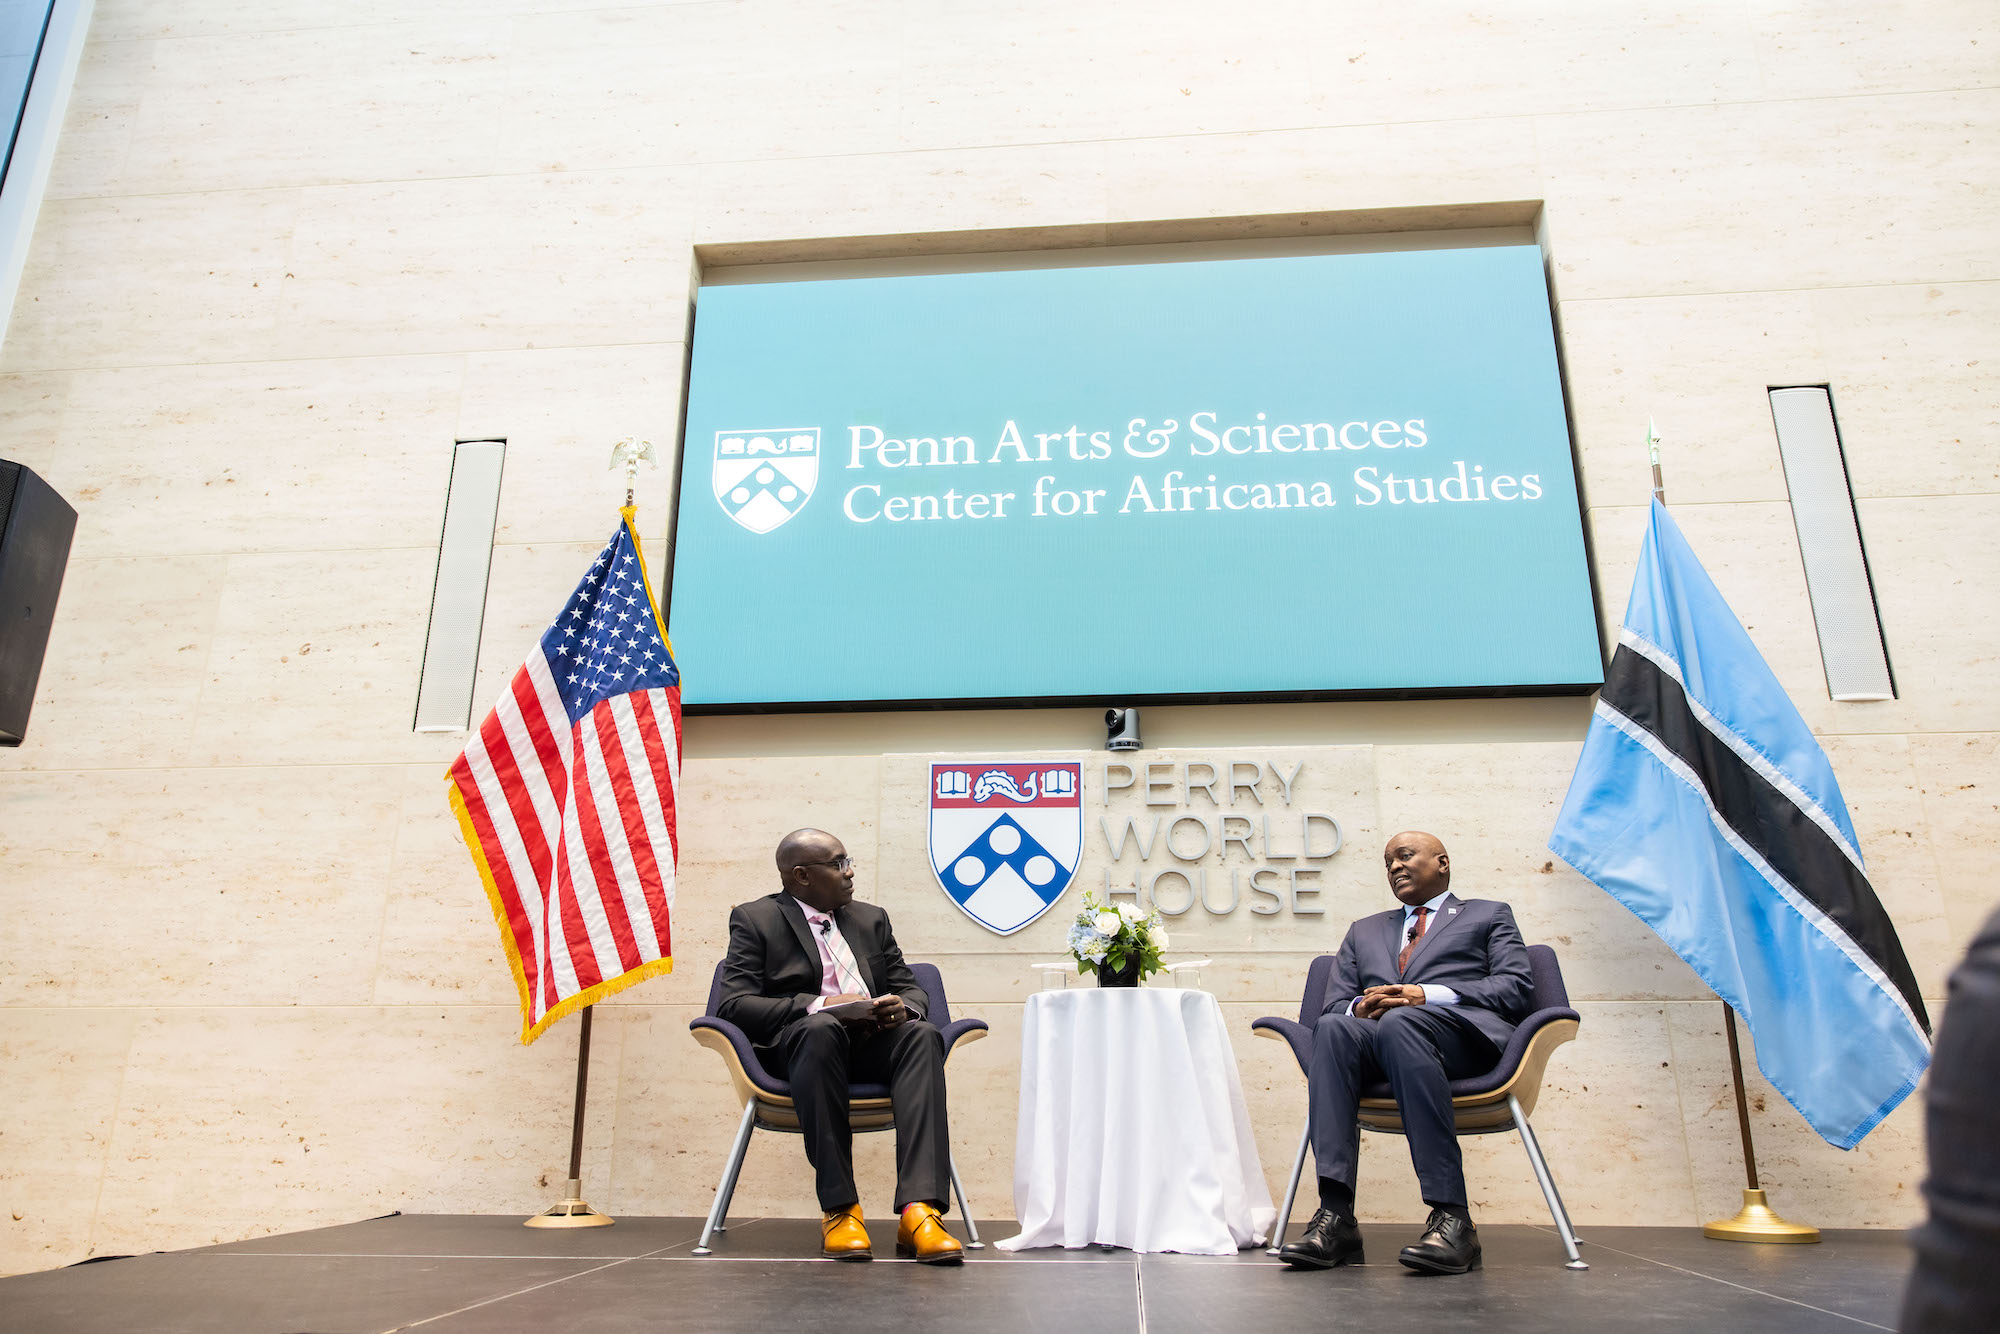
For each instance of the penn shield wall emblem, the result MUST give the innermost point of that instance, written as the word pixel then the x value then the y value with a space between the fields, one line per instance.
pixel 1006 838
pixel 763 478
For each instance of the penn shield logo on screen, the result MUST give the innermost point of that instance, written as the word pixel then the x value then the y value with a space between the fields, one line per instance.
pixel 1006 838
pixel 764 477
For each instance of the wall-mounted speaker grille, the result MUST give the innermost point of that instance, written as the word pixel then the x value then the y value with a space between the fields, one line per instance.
pixel 1843 596
pixel 458 597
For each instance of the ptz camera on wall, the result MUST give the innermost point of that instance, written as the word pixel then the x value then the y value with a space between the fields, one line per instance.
pixel 1121 727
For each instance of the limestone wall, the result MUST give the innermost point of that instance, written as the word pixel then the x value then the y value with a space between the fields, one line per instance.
pixel 291 250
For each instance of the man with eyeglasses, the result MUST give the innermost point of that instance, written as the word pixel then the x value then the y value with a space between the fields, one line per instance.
pixel 817 982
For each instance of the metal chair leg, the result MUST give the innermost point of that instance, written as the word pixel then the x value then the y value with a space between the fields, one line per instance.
pixel 1548 1183
pixel 1292 1188
pixel 972 1241
pixel 727 1186
pixel 735 1175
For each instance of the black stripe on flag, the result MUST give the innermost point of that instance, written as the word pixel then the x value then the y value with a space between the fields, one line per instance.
pixel 1763 817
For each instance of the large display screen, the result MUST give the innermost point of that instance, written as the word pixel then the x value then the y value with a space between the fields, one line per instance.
pixel 1306 476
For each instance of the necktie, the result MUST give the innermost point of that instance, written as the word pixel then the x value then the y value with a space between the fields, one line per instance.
pixel 843 959
pixel 1403 959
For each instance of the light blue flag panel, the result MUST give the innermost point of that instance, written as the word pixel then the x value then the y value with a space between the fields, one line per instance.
pixel 1703 803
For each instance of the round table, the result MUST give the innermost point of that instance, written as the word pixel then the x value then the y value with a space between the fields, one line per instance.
pixel 1133 1129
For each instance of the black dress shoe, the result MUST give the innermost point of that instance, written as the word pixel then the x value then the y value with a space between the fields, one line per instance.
pixel 1450 1245
pixel 1328 1240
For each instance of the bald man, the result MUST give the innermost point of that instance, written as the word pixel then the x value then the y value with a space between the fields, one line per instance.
pixel 796 955
pixel 1421 995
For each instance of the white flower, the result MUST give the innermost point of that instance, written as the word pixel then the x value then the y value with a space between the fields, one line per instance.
pixel 1129 913
pixel 1106 924
pixel 1159 937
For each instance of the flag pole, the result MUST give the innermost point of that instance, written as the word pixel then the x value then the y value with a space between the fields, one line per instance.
pixel 1653 448
pixel 571 1210
pixel 1756 1220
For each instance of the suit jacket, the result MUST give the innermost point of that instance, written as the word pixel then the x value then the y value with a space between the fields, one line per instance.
pixel 771 975
pixel 1469 945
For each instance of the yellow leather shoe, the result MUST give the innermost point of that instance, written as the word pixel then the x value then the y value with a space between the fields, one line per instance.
pixel 842 1237
pixel 922 1236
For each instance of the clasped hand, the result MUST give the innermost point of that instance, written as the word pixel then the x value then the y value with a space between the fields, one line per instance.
pixel 883 1011
pixel 1378 1001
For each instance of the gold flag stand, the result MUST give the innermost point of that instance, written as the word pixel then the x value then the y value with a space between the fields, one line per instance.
pixel 1756 1220
pixel 570 1211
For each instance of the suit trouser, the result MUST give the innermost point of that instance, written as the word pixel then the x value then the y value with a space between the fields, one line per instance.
pixel 1419 1049
pixel 821 1056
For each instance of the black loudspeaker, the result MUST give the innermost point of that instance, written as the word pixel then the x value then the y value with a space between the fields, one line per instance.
pixel 36 526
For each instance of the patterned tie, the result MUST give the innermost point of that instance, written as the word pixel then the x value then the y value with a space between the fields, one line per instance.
pixel 843 959
pixel 1403 959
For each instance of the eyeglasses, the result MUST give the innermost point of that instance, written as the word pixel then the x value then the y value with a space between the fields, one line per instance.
pixel 841 863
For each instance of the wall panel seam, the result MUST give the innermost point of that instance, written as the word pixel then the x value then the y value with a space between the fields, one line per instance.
pixel 425 355
pixel 1043 144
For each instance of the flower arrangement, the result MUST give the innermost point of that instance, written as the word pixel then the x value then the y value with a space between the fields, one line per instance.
pixel 1115 938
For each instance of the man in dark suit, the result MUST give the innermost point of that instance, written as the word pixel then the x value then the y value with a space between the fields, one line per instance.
pixel 1422 995
pixel 793 957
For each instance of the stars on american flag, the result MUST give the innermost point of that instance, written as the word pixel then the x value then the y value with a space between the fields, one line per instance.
pixel 616 650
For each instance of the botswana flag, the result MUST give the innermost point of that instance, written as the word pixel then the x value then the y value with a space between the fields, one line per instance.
pixel 1703 803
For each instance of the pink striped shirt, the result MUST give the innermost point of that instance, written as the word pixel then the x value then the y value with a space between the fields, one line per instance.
pixel 829 976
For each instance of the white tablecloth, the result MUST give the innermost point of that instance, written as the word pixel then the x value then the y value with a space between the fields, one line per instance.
pixel 1133 1129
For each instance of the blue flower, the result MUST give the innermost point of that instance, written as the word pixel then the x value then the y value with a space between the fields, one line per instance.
pixel 1086 943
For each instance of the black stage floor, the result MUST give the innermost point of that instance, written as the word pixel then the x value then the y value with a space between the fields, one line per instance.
pixel 478 1275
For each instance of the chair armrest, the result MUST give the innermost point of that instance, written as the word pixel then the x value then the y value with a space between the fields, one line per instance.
pixel 961 1030
pixel 737 1037
pixel 1528 1051
pixel 1289 1031
pixel 733 1045
pixel 1525 1031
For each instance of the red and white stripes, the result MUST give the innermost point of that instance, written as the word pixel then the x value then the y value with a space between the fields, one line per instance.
pixel 575 827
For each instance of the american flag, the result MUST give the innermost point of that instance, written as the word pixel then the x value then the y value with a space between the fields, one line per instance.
pixel 567 795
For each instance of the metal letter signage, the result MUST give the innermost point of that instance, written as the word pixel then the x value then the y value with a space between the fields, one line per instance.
pixel 763 478
pixel 1006 838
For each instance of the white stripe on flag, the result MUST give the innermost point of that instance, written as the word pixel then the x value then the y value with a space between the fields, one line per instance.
pixel 560 959
pixel 1749 754
pixel 556 719
pixel 534 780
pixel 1786 890
pixel 533 767
pixel 670 737
pixel 585 890
pixel 616 845
pixel 501 816
pixel 527 883
pixel 648 793
pixel 552 705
